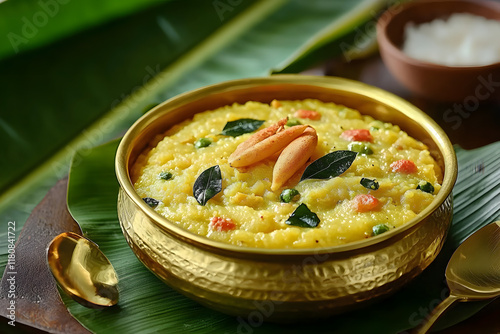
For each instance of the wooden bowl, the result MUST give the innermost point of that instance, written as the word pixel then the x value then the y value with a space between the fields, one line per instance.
pixel 467 84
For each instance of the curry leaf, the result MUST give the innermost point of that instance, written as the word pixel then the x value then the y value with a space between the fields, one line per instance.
pixel 303 217
pixel 426 187
pixel 369 184
pixel 207 185
pixel 241 126
pixel 331 165
pixel 151 201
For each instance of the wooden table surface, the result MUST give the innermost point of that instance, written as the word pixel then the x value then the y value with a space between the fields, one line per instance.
pixel 39 308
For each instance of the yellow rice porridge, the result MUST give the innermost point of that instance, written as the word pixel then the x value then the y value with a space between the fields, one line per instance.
pixel 391 178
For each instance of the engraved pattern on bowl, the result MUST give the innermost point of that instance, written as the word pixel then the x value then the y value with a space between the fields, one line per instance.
pixel 322 283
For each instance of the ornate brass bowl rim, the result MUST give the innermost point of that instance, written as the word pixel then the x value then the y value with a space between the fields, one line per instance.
pixel 334 83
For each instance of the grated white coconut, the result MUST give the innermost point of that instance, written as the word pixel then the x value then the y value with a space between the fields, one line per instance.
pixel 460 40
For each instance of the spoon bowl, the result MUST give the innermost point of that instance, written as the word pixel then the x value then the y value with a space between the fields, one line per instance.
pixel 473 272
pixel 82 270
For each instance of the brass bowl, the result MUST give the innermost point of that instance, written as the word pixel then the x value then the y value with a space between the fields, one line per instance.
pixel 285 285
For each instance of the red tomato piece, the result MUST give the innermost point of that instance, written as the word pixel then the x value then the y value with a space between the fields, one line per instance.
pixel 222 224
pixel 357 135
pixel 364 203
pixel 311 114
pixel 404 166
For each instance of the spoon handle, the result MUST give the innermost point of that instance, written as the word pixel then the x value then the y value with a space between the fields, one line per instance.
pixel 427 323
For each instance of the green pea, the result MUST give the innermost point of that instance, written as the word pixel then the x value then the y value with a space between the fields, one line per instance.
pixel 374 128
pixel 287 195
pixel 360 147
pixel 426 187
pixel 293 122
pixel 379 229
pixel 165 175
pixel 202 142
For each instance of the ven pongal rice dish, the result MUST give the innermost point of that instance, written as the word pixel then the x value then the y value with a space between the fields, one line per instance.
pixel 289 174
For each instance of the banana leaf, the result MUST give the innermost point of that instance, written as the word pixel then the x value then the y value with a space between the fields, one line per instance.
pixel 77 91
pixel 147 305
pixel 32 24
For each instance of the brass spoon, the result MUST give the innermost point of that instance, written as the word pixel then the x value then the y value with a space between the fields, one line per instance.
pixel 82 270
pixel 473 272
